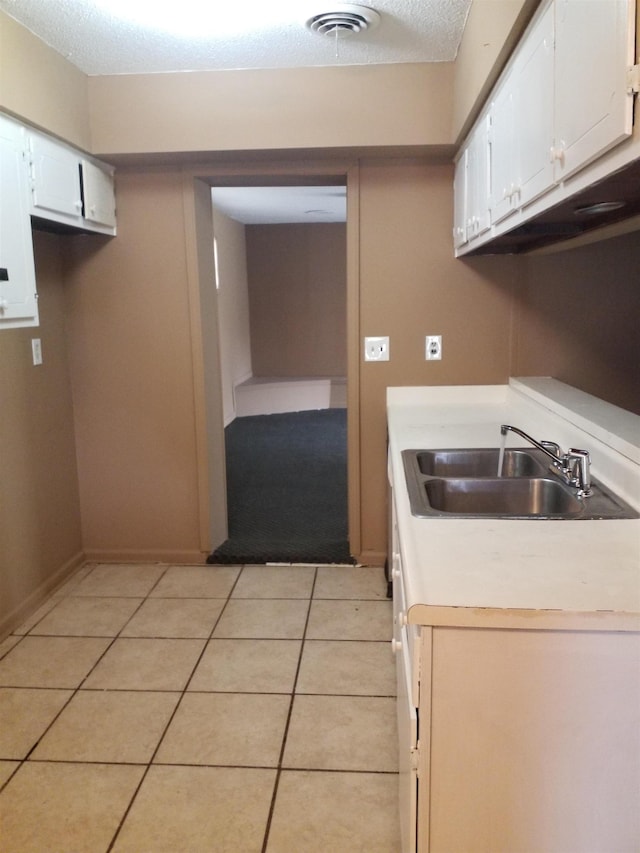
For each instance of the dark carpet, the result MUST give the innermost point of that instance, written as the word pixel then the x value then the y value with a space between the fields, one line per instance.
pixel 287 489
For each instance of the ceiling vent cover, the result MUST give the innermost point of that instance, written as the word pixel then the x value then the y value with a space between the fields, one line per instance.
pixel 344 19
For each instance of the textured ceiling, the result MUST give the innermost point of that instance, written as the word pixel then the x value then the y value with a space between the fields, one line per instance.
pixel 102 42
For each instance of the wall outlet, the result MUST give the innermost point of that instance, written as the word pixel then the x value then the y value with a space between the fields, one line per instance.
pixel 433 347
pixel 376 349
pixel 36 350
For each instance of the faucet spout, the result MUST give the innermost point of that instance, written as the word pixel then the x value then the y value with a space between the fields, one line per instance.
pixel 550 448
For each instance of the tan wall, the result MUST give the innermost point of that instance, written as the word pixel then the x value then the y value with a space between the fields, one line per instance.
pixel 133 377
pixel 412 286
pixel 577 319
pixel 131 351
pixel 404 104
pixel 40 538
pixel 40 86
pixel 491 31
pixel 233 307
pixel 297 291
pixel 361 106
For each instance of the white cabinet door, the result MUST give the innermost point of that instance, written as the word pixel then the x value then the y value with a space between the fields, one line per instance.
pixel 55 181
pixel 460 201
pixel 593 111
pixel 471 187
pixel 18 299
pixel 407 718
pixel 533 75
pixel 505 181
pixel 98 195
pixel 406 648
pixel 478 183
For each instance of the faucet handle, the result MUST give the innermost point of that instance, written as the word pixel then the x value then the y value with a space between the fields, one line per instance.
pixel 580 462
pixel 552 447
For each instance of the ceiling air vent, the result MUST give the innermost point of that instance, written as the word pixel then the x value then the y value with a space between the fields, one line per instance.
pixel 344 19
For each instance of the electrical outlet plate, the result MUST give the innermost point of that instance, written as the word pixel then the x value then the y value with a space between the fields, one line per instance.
pixel 433 347
pixel 376 349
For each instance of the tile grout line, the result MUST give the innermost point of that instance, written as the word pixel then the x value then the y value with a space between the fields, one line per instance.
pixel 276 784
pixel 171 718
pixel 181 693
pixel 74 690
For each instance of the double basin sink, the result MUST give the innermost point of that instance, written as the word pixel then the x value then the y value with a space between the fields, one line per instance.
pixel 464 483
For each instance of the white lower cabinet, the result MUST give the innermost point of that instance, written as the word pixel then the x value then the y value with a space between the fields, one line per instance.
pixel 408 752
pixel 406 646
pixel 18 298
pixel 525 740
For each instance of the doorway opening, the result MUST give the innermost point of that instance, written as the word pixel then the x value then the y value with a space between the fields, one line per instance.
pixel 280 257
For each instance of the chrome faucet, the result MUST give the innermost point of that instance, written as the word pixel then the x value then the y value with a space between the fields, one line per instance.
pixel 573 466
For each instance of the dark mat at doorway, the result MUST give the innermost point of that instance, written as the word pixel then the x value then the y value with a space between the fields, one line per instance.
pixel 287 489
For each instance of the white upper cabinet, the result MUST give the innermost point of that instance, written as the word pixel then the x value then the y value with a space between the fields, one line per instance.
pixel 18 299
pixel 556 116
pixel 534 112
pixel 69 188
pixel 471 187
pixel 594 47
pixel 43 179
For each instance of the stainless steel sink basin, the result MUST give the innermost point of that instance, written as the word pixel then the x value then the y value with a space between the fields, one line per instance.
pixel 522 497
pixel 481 462
pixel 463 483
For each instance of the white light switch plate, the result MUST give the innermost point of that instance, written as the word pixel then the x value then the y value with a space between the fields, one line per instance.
pixel 36 350
pixel 376 349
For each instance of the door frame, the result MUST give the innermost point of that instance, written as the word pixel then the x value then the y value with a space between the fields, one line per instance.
pixel 209 425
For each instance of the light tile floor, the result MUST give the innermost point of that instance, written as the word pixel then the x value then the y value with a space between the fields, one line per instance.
pixel 150 708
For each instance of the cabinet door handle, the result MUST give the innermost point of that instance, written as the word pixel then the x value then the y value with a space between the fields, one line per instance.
pixel 396 646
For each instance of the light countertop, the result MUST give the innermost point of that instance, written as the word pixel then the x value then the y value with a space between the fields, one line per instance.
pixel 574 574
